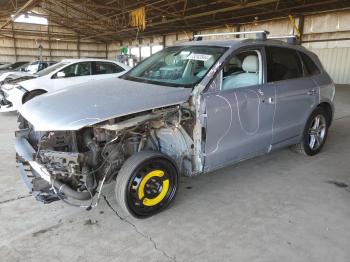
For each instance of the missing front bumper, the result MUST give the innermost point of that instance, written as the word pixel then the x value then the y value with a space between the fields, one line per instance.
pixel 5 105
pixel 37 183
pixel 38 187
pixel 37 178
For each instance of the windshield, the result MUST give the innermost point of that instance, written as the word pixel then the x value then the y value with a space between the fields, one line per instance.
pixel 51 68
pixel 182 66
pixel 12 66
pixel 5 66
pixel 22 67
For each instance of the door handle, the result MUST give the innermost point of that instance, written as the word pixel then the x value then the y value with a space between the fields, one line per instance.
pixel 311 92
pixel 269 100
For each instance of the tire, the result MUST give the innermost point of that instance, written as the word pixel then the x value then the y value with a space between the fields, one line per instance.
pixel 314 135
pixel 30 95
pixel 146 184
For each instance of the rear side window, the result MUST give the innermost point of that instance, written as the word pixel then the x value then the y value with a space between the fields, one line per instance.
pixel 106 68
pixel 282 64
pixel 309 65
pixel 42 66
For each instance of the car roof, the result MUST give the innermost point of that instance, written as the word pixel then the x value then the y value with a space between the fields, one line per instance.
pixel 239 42
pixel 74 60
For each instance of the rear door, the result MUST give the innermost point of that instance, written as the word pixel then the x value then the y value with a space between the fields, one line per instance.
pixel 296 94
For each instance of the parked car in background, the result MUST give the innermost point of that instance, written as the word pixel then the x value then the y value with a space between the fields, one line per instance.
pixel 37 66
pixel 23 72
pixel 67 73
pixel 11 67
pixel 16 73
pixel 186 110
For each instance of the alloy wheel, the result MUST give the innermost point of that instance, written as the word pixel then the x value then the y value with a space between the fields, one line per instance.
pixel 317 132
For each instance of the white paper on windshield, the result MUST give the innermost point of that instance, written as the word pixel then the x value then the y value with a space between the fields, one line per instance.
pixel 199 57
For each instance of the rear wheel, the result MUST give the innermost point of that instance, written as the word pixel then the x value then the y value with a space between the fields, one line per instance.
pixel 146 184
pixel 315 133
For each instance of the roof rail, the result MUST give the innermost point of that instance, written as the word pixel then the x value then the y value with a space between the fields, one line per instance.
pixel 291 39
pixel 260 35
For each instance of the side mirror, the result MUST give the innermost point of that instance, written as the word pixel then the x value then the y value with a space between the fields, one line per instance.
pixel 61 75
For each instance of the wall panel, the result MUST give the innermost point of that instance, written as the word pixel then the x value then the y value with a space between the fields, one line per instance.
pixel 337 63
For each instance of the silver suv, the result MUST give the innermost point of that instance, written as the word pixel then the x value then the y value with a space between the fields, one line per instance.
pixel 187 110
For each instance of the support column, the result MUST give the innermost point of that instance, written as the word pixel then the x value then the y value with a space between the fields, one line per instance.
pixel 140 44
pixel 14 42
pixel 78 46
pixel 301 27
pixel 238 29
pixel 164 39
pixel 49 37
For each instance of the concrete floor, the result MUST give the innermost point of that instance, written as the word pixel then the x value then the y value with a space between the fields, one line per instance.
pixel 279 207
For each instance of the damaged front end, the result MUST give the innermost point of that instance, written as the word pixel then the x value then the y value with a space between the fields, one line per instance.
pixel 57 165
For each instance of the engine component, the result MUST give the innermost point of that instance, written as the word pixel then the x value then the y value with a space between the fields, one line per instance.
pixel 64 164
pixel 93 146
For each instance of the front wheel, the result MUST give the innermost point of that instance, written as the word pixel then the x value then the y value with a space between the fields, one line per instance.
pixel 315 133
pixel 146 184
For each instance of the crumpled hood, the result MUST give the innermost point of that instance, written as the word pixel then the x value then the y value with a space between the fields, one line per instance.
pixel 87 104
pixel 16 75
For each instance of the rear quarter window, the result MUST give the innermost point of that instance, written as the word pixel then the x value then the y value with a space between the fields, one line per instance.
pixel 309 65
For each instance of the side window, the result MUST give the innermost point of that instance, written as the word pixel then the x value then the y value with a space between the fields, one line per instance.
pixel 78 69
pixel 106 68
pixel 243 69
pixel 282 64
pixel 42 66
pixel 309 65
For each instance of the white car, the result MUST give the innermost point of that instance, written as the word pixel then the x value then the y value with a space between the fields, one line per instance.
pixel 19 72
pixel 8 76
pixel 39 65
pixel 61 75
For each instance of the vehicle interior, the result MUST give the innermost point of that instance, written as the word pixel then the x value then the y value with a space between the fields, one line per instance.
pixel 179 66
pixel 242 70
pixel 78 69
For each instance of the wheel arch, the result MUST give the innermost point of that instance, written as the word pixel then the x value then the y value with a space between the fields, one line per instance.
pixel 328 109
pixel 41 91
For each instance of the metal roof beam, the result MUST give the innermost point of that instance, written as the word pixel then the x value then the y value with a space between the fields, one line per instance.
pixel 29 4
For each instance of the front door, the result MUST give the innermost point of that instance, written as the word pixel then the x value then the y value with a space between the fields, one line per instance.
pixel 74 74
pixel 240 114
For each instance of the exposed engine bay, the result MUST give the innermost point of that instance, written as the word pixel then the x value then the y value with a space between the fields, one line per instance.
pixel 78 163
